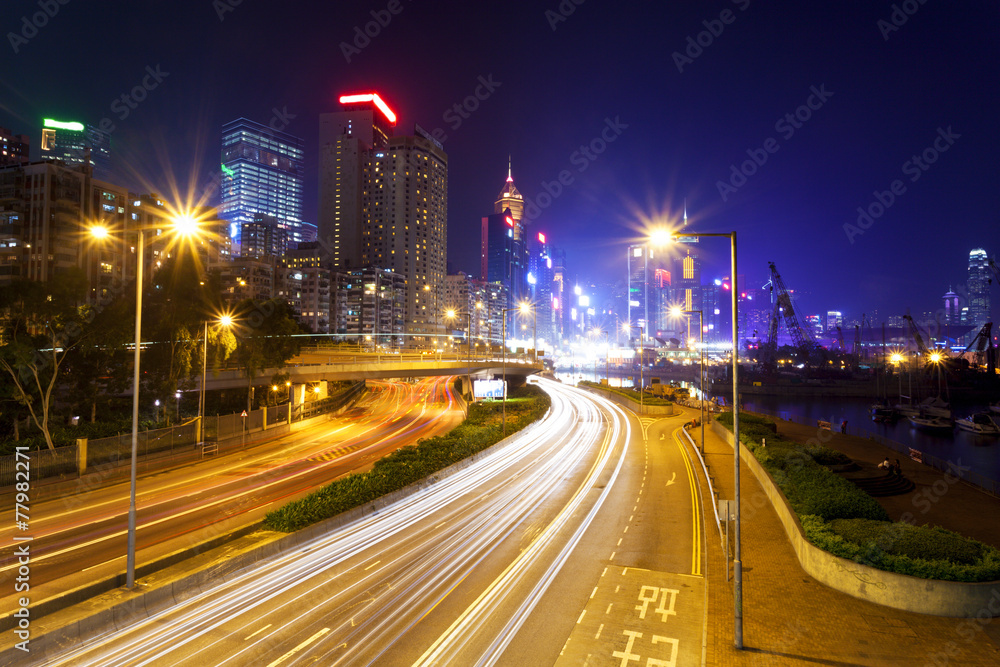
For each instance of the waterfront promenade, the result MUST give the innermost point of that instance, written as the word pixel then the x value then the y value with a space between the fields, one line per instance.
pixel 791 619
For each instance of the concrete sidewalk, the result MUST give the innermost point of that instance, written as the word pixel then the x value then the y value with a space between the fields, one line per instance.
pixel 790 618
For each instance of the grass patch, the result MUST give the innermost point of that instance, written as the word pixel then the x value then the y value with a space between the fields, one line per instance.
pixel 480 430
pixel 627 393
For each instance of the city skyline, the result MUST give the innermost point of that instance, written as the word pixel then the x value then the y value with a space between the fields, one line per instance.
pixel 823 137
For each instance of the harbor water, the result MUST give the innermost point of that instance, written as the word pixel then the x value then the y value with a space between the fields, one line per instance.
pixel 979 452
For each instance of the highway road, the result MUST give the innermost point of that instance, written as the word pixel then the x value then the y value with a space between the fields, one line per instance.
pixel 83 537
pixel 578 542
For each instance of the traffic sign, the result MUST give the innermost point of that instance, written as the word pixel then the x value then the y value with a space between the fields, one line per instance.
pixel 244 414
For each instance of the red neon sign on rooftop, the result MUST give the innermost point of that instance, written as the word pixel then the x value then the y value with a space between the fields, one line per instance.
pixel 370 97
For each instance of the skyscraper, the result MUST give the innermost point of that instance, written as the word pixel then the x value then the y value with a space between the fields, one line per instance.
pixel 511 199
pixel 262 175
pixel 979 289
pixel 503 245
pixel 540 279
pixel 384 203
pixel 76 143
pixel 348 139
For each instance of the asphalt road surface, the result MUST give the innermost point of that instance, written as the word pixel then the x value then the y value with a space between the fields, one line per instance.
pixel 83 537
pixel 578 542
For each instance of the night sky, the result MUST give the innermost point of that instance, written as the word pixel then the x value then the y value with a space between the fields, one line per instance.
pixel 679 115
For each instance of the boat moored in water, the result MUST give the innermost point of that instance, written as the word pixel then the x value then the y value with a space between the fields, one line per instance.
pixel 980 423
pixel 930 423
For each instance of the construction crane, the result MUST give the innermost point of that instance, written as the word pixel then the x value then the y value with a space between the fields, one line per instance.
pixel 784 309
pixel 921 348
pixel 983 342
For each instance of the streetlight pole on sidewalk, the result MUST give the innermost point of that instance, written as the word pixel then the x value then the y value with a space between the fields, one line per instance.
pixel 672 237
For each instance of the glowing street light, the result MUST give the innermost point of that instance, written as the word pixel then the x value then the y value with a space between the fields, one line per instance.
pixel 666 236
pixel 224 321
pixel 676 311
pixel 188 226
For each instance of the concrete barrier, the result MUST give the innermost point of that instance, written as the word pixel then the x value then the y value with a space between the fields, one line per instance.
pixel 899 591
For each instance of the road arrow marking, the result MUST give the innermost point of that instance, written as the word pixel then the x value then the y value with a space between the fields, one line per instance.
pixel 672 478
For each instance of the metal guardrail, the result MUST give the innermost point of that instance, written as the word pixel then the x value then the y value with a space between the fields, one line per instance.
pixel 117 450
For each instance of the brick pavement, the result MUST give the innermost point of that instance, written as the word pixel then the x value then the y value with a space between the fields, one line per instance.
pixel 791 619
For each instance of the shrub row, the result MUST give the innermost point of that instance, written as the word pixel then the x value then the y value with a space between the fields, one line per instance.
pixel 480 430
pixel 842 519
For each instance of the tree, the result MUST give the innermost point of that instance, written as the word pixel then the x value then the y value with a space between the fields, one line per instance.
pixel 101 368
pixel 42 323
pixel 174 311
pixel 264 333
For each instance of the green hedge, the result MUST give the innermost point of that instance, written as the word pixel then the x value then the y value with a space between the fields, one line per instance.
pixel 842 519
pixel 480 430
pixel 918 551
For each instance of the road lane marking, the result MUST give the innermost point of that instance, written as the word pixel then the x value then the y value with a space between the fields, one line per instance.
pixel 582 614
pixel 299 647
pixel 257 633
pixel 372 565
pixel 695 509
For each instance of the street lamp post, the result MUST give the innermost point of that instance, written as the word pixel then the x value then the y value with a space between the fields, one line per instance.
pixel 523 309
pixel 451 314
pixel 641 383
pixel 701 364
pixel 737 556
pixel 183 224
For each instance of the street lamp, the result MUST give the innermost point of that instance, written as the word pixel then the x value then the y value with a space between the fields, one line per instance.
pixel 523 308
pixel 676 311
pixel 224 321
pixel 597 331
pixel 662 236
pixel 450 314
pixel 641 355
pixel 185 225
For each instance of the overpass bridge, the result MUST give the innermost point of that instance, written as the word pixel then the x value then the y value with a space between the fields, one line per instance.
pixel 316 367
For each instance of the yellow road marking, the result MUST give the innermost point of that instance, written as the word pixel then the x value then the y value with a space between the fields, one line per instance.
pixel 695 509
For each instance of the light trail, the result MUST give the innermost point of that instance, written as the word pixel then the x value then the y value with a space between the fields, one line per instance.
pixel 426 546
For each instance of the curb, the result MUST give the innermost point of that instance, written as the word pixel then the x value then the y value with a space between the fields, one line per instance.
pixel 900 591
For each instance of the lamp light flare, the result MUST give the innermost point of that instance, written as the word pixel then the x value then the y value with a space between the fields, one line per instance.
pixel 660 237
pixel 186 224
pixel 99 232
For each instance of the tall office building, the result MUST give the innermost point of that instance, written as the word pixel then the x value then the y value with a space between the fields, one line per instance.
pixel 540 279
pixel 262 175
pixel 13 148
pixel 952 309
pixel 511 199
pixel 979 290
pixel 504 247
pixel 76 143
pixel 406 227
pixel 348 140
pixel 384 203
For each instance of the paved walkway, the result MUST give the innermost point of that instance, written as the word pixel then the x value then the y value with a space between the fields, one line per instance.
pixel 791 619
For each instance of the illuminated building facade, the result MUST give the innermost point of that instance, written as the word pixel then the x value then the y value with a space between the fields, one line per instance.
pixel 384 203
pixel 348 140
pixel 77 143
pixel 13 148
pixel 262 175
pixel 978 285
